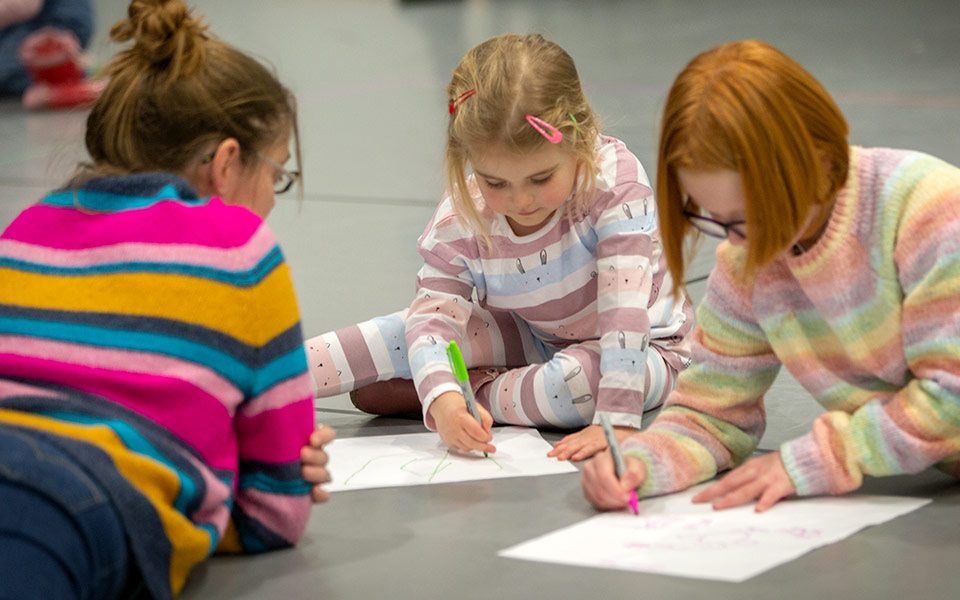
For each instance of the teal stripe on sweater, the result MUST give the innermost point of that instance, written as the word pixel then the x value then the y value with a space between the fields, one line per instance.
pixel 225 365
pixel 265 483
pixel 135 442
pixel 284 367
pixel 245 278
pixel 105 201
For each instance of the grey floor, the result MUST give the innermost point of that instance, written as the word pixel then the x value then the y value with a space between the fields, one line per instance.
pixel 370 77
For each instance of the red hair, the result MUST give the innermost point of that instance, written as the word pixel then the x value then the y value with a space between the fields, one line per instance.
pixel 746 107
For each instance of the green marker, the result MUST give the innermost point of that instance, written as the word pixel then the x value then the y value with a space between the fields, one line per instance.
pixel 460 372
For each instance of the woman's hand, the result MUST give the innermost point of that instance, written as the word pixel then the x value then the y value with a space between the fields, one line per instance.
pixel 601 486
pixel 457 428
pixel 763 477
pixel 586 442
pixel 313 462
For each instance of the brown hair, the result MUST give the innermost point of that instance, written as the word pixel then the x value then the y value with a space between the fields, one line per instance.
pixel 746 107
pixel 176 90
pixel 513 76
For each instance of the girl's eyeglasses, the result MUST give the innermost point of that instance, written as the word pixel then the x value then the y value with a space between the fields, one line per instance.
pixel 715 228
pixel 283 179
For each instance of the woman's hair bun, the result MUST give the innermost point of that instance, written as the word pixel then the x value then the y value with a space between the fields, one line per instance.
pixel 165 33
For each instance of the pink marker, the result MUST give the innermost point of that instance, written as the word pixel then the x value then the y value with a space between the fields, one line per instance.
pixel 618 464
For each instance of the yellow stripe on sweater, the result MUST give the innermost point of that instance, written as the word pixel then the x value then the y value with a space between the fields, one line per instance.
pixel 158 483
pixel 211 304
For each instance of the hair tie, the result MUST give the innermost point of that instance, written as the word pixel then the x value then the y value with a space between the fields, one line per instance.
pixel 554 136
pixel 456 102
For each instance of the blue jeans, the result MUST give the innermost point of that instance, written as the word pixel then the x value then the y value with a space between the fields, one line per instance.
pixel 60 535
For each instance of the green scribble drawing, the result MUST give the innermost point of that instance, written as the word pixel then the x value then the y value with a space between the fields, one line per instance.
pixel 365 465
pixel 442 464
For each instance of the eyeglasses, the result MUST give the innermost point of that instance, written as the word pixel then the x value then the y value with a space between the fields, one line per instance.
pixel 715 228
pixel 283 179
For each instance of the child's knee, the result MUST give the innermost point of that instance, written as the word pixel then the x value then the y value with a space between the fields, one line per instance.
pixel 571 390
pixel 391 397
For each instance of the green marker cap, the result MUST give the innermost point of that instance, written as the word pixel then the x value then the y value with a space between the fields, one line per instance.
pixel 456 361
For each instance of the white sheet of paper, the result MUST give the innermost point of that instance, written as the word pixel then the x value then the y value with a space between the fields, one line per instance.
pixel 673 536
pixel 422 458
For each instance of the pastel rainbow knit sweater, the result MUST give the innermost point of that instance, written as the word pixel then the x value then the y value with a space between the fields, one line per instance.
pixel 155 336
pixel 867 320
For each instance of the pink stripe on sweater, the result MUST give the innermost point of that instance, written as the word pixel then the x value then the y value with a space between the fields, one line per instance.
pixel 561 308
pixel 279 395
pixel 584 328
pixel 167 222
pixel 228 259
pixel 14 388
pixel 512 248
pixel 446 285
pixel 623 245
pixel 145 363
pixel 284 515
pixel 214 508
pixel 184 409
pixel 259 433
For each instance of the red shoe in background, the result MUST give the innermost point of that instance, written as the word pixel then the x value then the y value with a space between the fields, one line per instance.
pixel 54 59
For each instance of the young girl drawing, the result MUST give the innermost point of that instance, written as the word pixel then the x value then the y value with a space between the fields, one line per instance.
pixel 154 396
pixel 840 262
pixel 543 264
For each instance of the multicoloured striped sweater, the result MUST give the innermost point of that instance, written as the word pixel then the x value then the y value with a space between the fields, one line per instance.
pixel 866 320
pixel 161 332
pixel 598 276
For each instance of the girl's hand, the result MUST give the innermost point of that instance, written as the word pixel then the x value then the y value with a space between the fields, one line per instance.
pixel 586 442
pixel 601 486
pixel 763 477
pixel 313 461
pixel 457 428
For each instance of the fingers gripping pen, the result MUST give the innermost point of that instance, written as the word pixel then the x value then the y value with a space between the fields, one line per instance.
pixel 618 463
pixel 460 372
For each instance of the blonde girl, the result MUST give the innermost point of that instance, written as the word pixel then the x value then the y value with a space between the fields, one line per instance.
pixel 542 263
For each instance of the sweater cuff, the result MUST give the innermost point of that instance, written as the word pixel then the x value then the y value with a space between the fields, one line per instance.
pixel 660 478
pixel 620 419
pixel 432 395
pixel 805 466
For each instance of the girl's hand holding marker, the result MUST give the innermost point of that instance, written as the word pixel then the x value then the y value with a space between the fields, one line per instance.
pixel 461 422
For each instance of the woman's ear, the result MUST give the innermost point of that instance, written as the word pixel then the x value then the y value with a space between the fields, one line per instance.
pixel 226 169
pixel 219 173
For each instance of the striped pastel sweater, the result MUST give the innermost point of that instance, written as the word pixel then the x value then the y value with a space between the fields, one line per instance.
pixel 598 276
pixel 156 336
pixel 866 320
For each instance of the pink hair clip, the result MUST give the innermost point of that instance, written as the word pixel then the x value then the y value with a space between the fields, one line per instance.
pixel 553 135
pixel 460 100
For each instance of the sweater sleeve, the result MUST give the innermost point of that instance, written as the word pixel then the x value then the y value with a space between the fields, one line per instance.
pixel 440 310
pixel 624 223
pixel 715 418
pixel 918 425
pixel 272 424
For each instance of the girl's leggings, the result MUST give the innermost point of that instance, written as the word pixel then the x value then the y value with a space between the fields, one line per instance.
pixel 531 384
